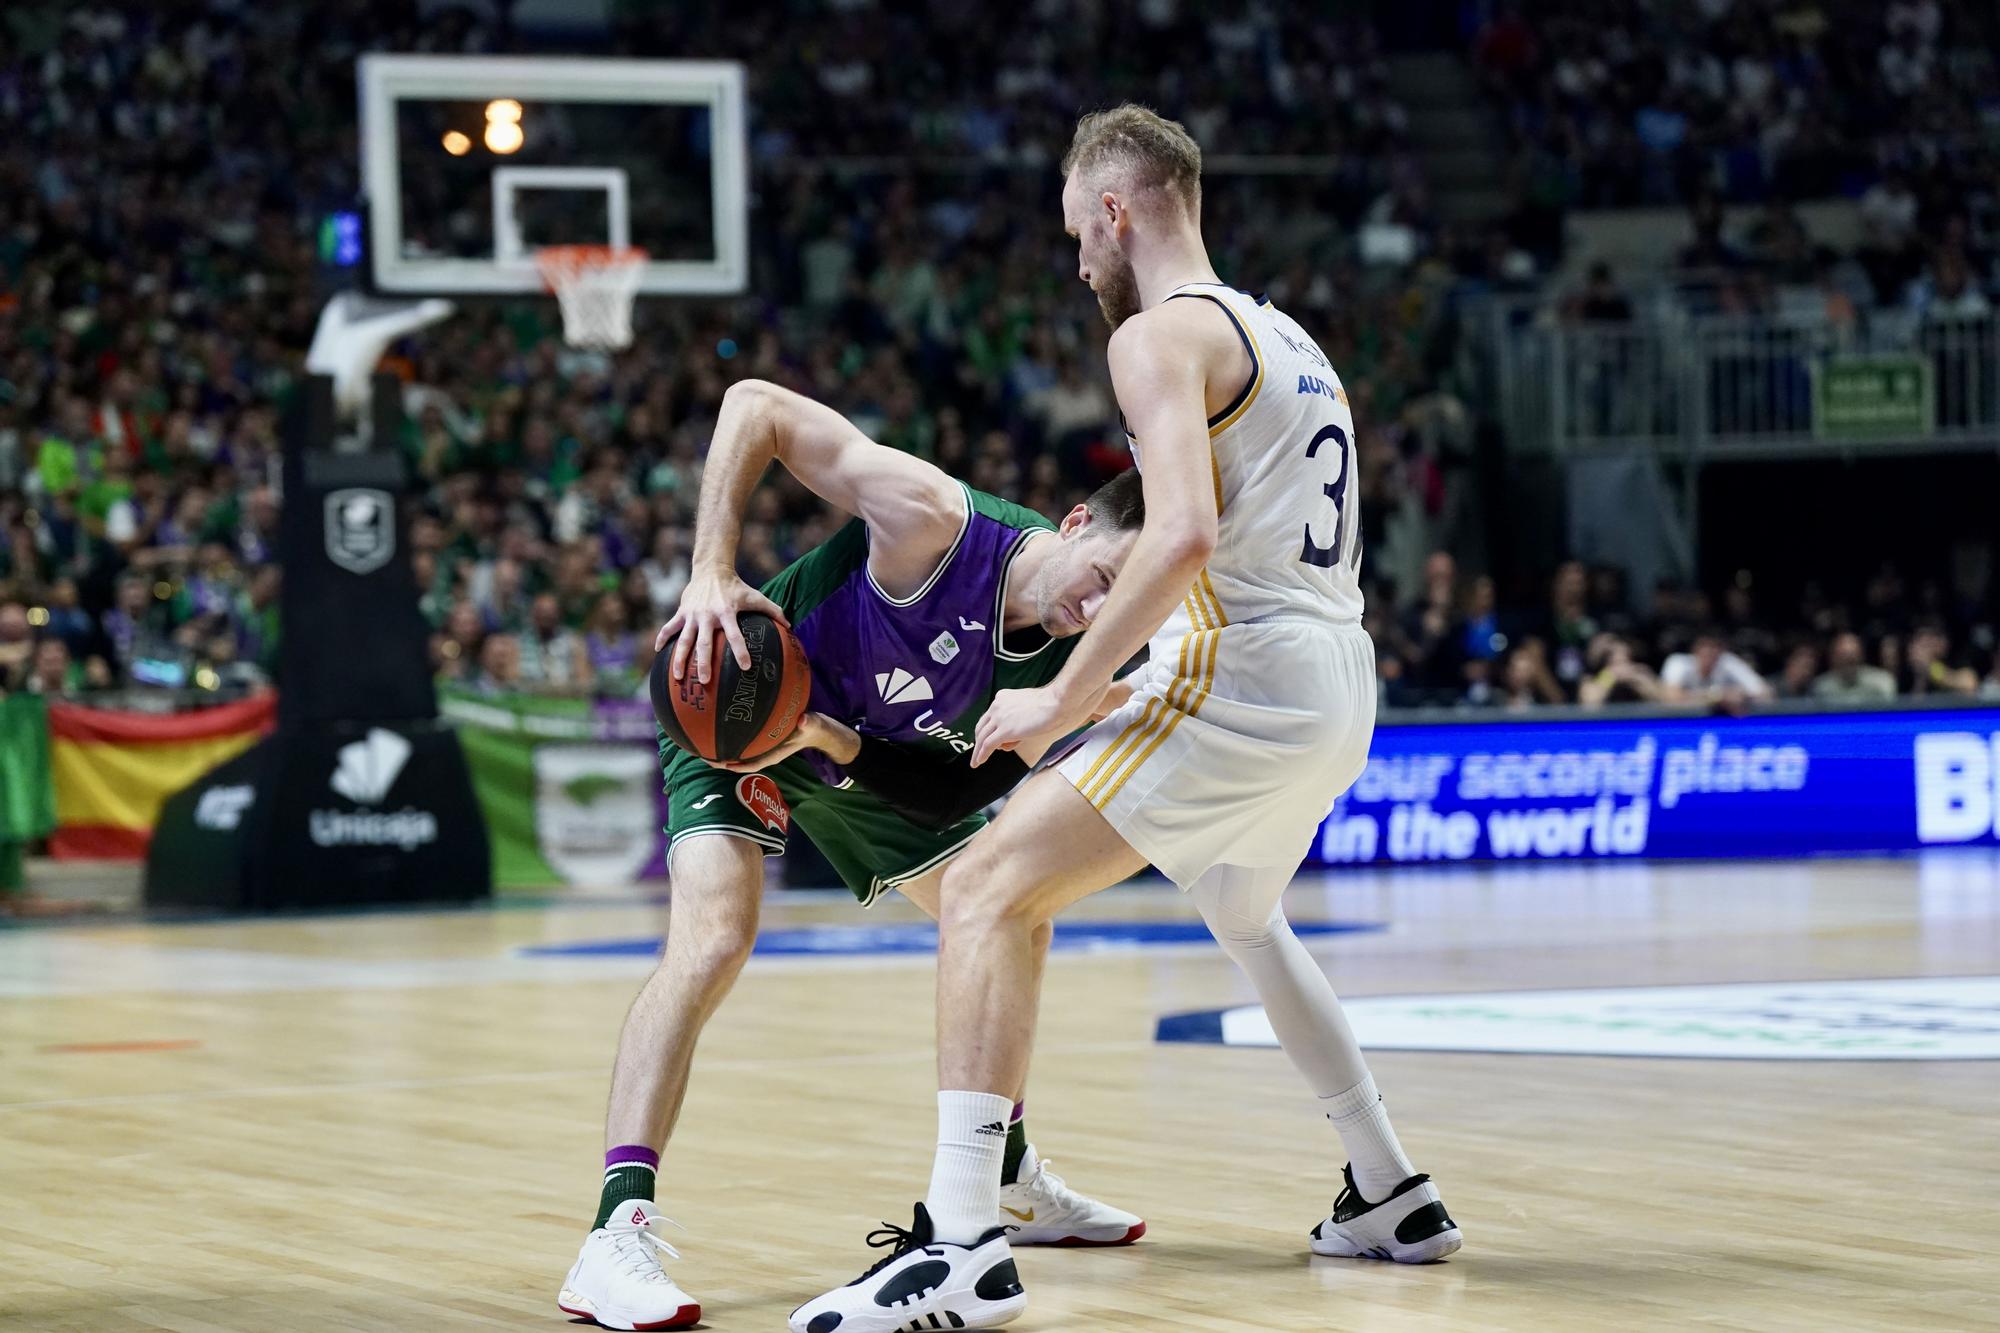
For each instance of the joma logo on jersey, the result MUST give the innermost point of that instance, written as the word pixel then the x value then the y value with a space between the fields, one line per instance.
pixel 930 726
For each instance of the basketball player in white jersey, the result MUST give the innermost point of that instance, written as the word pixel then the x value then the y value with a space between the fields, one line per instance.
pixel 1252 715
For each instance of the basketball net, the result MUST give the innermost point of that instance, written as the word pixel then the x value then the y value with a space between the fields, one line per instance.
pixel 595 285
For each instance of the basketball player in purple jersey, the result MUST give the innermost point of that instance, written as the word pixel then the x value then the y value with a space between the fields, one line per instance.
pixel 912 616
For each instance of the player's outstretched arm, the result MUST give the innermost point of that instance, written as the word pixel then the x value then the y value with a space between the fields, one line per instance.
pixel 1161 362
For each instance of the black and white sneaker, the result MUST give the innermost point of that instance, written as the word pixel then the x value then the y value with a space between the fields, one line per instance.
pixel 924 1284
pixel 1410 1226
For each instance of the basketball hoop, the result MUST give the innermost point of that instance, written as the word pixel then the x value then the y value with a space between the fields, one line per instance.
pixel 595 285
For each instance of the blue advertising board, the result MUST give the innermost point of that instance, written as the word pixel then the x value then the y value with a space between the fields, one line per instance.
pixel 1769 785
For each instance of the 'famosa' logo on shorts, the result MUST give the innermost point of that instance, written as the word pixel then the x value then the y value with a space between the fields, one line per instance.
pixel 759 795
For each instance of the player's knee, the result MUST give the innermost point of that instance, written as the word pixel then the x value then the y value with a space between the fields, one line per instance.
pixel 1239 941
pixel 712 923
pixel 1241 935
pixel 981 892
pixel 710 955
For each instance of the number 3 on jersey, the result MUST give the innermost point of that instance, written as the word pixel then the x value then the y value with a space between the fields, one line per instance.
pixel 1326 557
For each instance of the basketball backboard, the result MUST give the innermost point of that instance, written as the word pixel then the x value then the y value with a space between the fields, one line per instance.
pixel 471 163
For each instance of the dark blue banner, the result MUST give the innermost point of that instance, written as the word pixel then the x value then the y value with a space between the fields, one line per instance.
pixel 1845 784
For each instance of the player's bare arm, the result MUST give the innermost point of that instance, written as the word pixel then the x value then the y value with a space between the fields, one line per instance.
pixel 1114 697
pixel 912 509
pixel 1162 364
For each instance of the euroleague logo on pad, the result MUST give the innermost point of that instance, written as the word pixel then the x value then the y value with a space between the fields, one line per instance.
pixel 759 795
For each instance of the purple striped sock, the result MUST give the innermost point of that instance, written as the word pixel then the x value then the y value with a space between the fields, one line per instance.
pixel 623 1181
pixel 632 1154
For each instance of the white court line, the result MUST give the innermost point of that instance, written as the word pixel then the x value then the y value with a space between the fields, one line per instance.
pixel 71 967
pixel 924 1054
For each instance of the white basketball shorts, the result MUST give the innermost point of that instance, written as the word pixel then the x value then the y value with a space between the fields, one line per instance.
pixel 1234 745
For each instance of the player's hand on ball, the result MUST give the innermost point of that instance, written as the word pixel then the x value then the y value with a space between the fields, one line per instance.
pixel 816 731
pixel 1018 719
pixel 709 606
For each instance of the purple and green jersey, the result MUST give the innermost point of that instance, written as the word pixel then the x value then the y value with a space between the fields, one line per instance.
pixel 918 671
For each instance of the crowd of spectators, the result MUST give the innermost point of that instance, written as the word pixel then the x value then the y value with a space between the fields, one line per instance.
pixel 1624 102
pixel 1893 106
pixel 165 168
pixel 1455 648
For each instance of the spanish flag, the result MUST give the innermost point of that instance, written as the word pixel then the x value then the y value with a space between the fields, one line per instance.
pixel 114 770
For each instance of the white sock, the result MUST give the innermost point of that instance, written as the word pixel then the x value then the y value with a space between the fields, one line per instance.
pixel 964 1198
pixel 1372 1149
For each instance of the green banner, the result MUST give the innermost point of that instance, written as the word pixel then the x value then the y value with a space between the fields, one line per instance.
pixel 1872 398
pixel 570 790
pixel 27 796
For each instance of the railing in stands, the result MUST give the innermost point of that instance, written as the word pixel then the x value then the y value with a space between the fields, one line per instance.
pixel 1737 387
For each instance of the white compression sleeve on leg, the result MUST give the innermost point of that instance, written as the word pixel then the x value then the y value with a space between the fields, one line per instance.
pixel 1243 907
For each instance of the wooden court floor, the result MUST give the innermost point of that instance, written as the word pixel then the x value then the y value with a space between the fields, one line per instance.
pixel 393 1121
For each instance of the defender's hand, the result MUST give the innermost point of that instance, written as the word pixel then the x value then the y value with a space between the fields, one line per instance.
pixel 1018 719
pixel 709 606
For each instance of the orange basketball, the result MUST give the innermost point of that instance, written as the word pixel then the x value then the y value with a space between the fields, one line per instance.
pixel 740 713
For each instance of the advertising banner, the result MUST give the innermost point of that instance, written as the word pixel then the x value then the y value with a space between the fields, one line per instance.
pixel 571 789
pixel 27 797
pixel 113 770
pixel 1798 785
pixel 1873 397
pixel 331 816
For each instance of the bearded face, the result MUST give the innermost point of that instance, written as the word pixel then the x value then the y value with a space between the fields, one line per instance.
pixel 1100 262
pixel 1117 289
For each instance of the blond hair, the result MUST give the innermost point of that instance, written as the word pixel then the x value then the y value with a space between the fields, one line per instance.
pixel 1157 153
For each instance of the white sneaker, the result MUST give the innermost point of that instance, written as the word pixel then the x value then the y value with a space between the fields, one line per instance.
pixel 1410 1226
pixel 925 1283
pixel 1039 1209
pixel 617 1280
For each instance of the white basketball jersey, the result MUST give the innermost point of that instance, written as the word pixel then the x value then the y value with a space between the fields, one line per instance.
pixel 1285 482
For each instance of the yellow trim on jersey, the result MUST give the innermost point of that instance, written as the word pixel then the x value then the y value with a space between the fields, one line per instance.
pixel 1133 736
pixel 1256 385
pixel 1205 613
pixel 1213 601
pixel 1169 718
pixel 1214 644
pixel 1169 709
pixel 1249 397
pixel 1197 609
pixel 1239 404
pixel 1144 721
